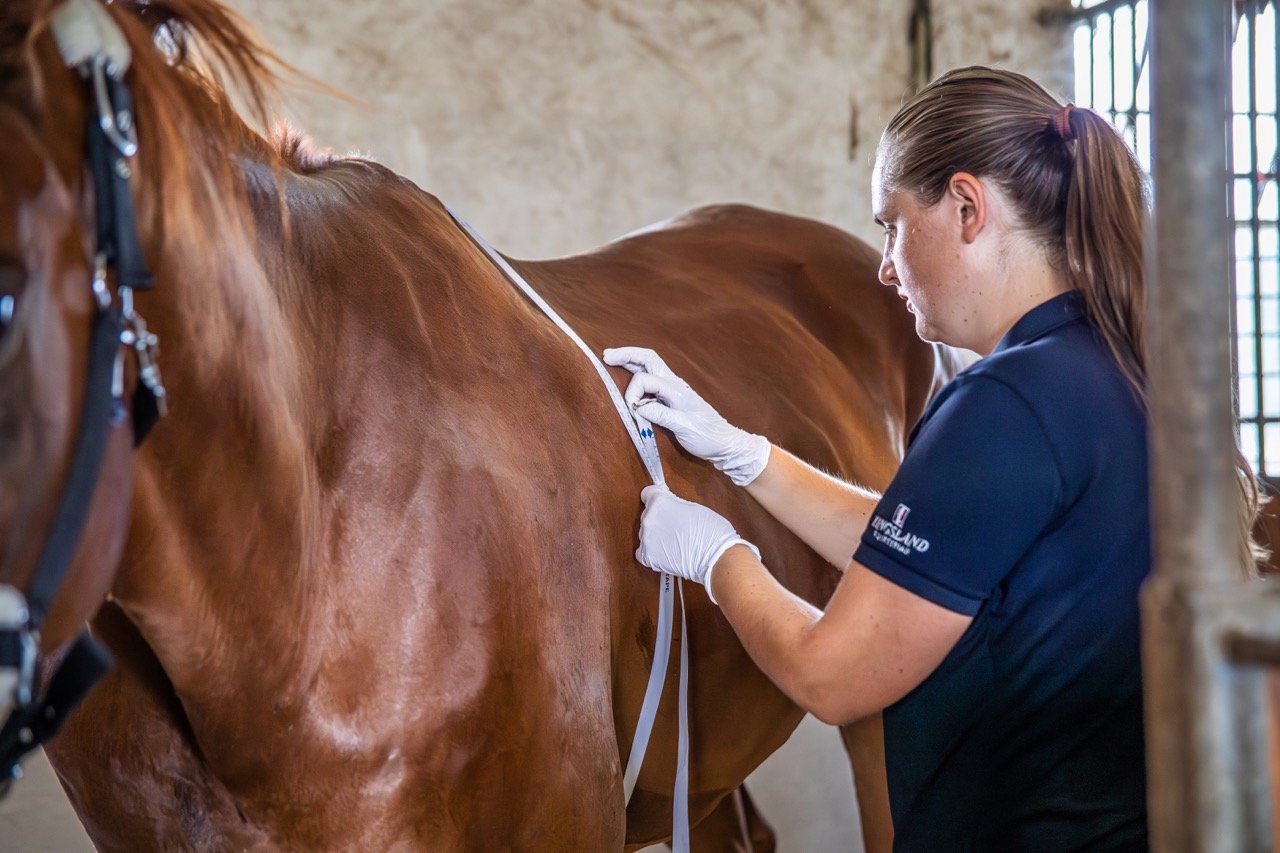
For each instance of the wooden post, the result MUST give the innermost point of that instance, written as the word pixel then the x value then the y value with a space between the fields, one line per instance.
pixel 1207 629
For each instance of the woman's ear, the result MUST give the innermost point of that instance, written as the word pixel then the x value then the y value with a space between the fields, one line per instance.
pixel 970 200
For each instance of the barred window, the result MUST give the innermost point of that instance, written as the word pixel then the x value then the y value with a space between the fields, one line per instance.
pixel 1112 73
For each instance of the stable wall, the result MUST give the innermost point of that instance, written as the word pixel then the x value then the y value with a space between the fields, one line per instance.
pixel 557 125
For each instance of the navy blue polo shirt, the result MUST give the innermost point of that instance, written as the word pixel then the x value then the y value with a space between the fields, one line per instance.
pixel 1022 502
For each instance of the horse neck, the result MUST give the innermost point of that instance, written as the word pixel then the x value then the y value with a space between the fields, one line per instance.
pixel 344 275
pixel 224 505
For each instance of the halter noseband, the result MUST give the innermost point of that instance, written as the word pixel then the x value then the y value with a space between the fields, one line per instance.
pixel 91 42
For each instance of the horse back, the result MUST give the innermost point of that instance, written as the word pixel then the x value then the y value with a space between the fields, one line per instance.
pixel 779 321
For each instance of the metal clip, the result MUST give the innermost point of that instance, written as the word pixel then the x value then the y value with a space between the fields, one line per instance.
pixel 119 128
pixel 100 290
pixel 146 344
pixel 6 785
pixel 117 371
pixel 15 618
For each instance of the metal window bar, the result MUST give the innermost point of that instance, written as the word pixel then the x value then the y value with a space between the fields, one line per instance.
pixel 1262 371
pixel 1112 52
pixel 1111 71
pixel 1256 315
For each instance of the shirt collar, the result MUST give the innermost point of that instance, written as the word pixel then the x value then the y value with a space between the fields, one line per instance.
pixel 1044 318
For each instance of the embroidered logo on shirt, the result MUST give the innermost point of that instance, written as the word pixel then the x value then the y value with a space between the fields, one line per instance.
pixel 893 534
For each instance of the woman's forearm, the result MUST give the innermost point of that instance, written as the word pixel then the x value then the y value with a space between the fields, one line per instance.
pixel 827 513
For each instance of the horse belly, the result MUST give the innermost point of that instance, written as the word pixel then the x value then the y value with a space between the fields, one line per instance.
pixel 538 774
pixel 529 779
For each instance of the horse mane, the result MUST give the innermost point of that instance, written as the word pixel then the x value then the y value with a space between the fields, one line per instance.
pixel 206 180
pixel 219 51
pixel 204 88
pixel 297 150
pixel 198 73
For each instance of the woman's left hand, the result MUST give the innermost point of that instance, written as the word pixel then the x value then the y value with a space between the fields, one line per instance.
pixel 683 538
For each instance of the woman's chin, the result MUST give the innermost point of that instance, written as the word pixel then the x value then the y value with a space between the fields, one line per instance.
pixel 925 330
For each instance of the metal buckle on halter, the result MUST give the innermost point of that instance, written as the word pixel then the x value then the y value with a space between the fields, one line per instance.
pixel 15 622
pixel 17 674
pixel 101 294
pixel 146 345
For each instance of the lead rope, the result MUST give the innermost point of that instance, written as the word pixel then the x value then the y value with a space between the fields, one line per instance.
pixel 641 433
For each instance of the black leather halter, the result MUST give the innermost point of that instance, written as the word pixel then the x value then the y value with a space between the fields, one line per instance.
pixel 111 143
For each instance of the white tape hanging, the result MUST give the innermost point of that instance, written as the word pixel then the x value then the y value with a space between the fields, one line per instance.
pixel 641 433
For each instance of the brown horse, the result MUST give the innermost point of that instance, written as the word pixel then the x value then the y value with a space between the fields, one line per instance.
pixel 374 586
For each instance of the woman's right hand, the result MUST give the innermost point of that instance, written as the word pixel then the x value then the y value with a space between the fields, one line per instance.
pixel 660 397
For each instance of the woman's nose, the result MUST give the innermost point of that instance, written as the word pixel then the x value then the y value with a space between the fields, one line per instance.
pixel 888 275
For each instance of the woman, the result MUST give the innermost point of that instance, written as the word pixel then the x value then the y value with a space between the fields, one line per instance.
pixel 990 607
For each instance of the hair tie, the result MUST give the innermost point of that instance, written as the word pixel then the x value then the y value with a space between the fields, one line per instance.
pixel 1061 123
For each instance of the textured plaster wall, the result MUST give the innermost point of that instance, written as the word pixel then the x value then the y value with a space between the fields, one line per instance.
pixel 555 125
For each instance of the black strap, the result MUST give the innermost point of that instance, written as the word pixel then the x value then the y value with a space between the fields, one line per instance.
pixel 33 724
pixel 10 649
pixel 145 412
pixel 99 412
pixel 117 229
pixel 117 235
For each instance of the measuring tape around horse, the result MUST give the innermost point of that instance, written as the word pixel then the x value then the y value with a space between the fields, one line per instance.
pixel 641 433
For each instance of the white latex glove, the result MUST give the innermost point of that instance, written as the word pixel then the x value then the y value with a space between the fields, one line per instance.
pixel 660 397
pixel 683 538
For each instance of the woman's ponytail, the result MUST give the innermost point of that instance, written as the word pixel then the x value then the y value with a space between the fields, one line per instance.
pixel 1103 226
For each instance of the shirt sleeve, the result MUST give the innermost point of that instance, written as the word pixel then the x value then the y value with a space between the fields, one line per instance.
pixel 979 484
